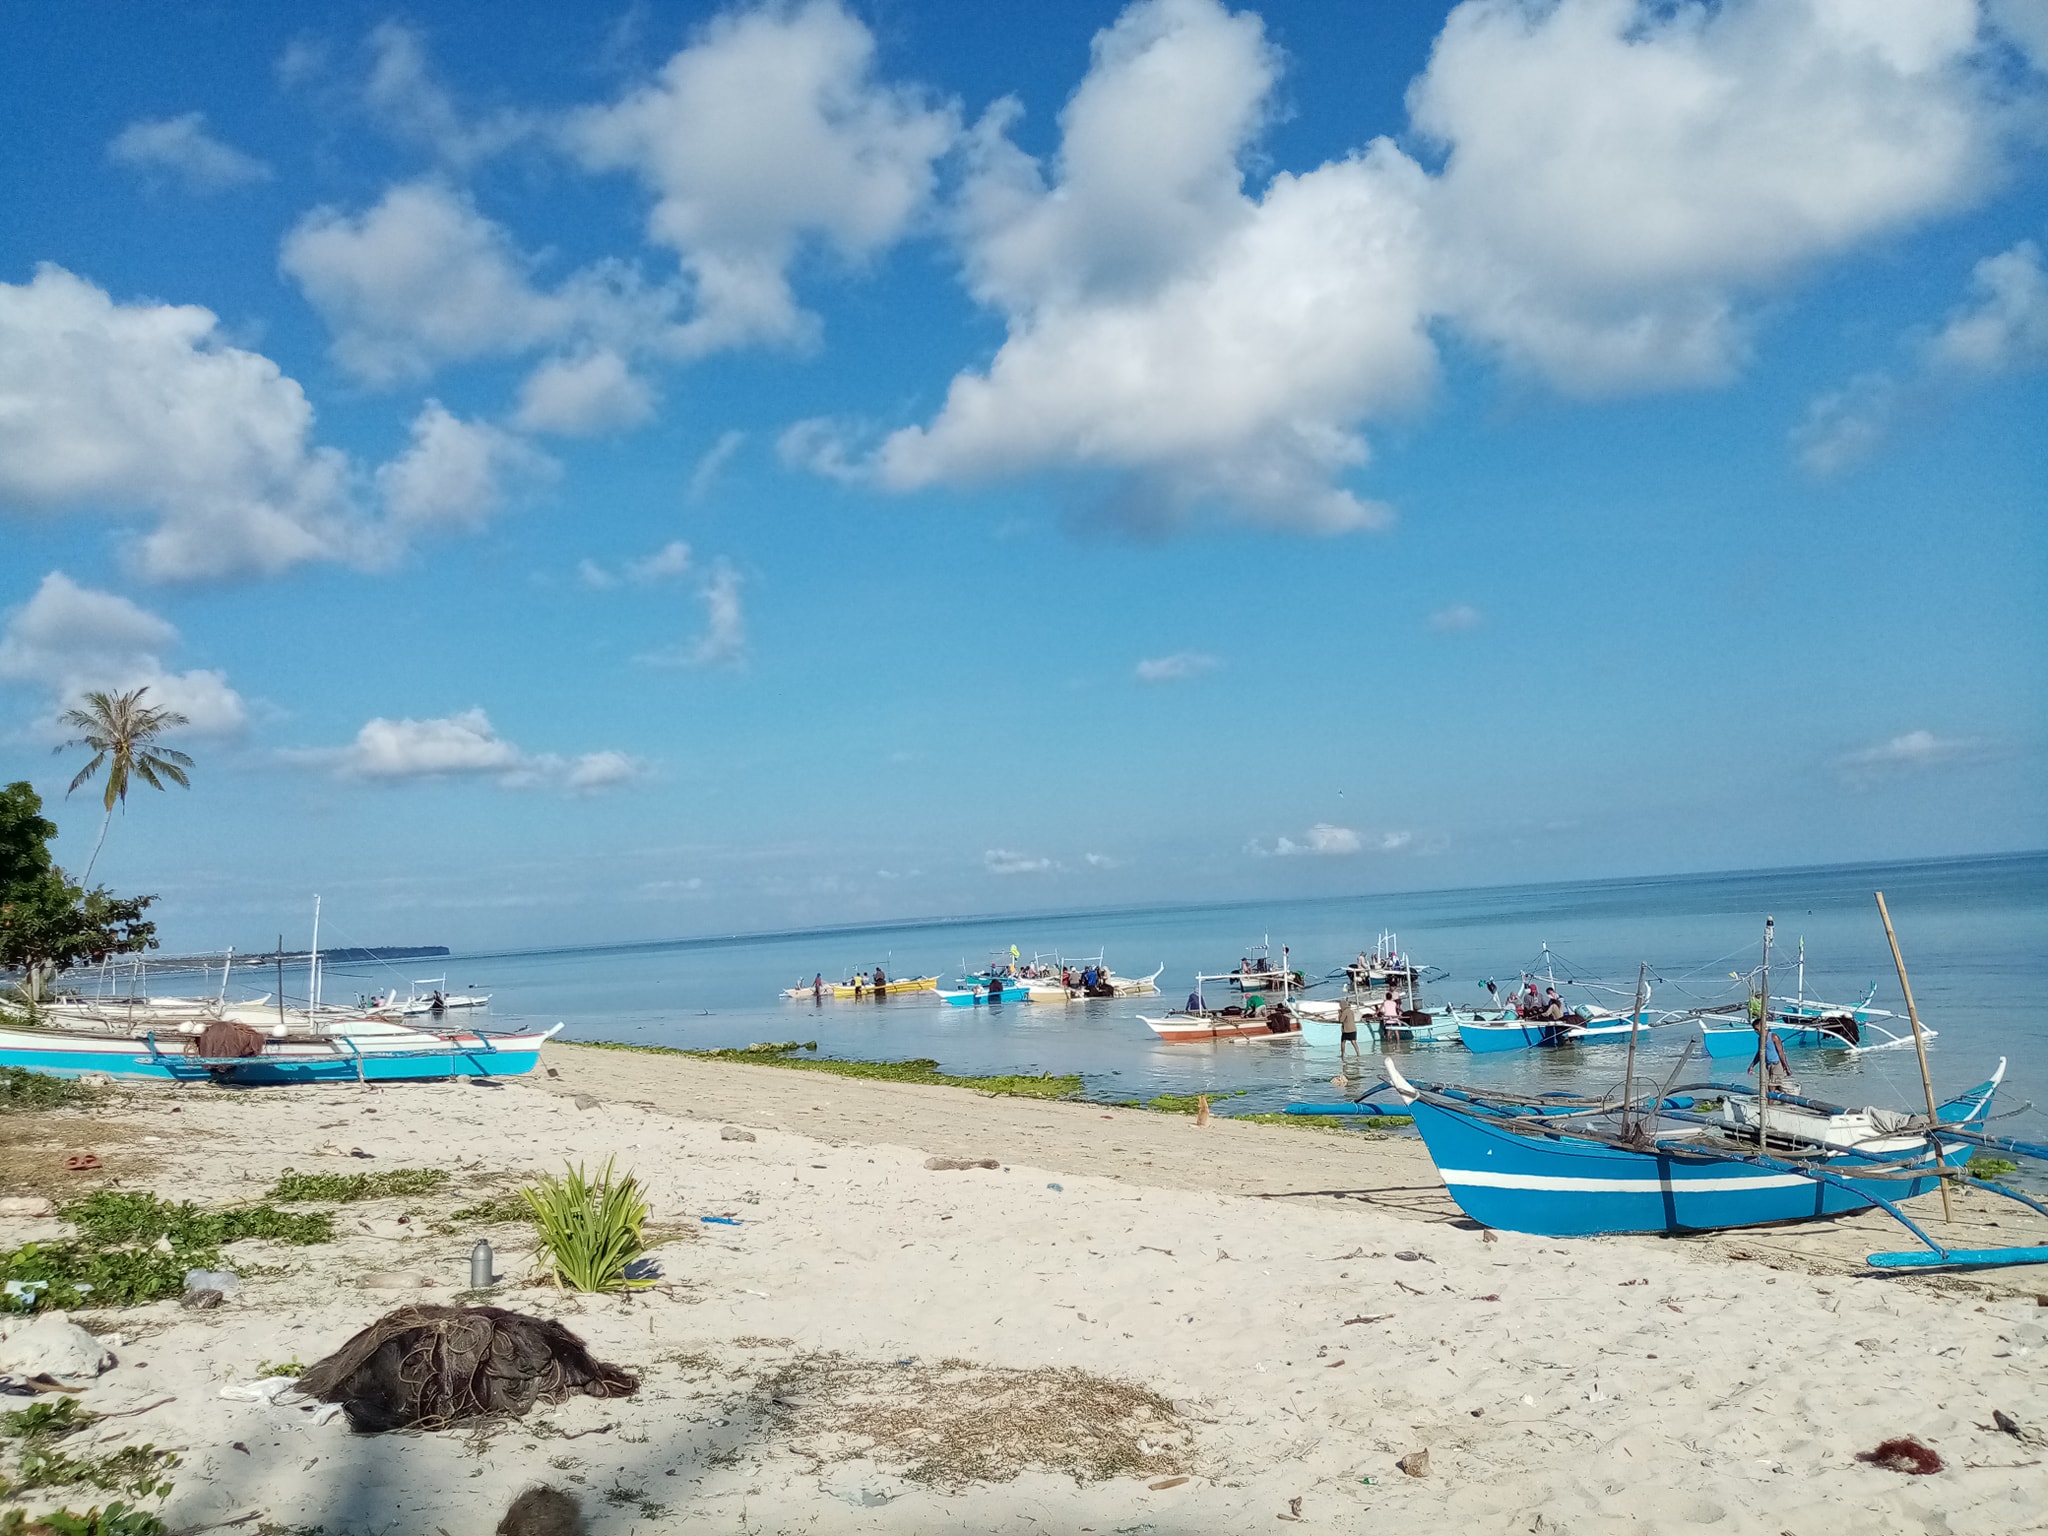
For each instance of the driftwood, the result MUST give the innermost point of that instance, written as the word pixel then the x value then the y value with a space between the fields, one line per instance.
pixel 426 1367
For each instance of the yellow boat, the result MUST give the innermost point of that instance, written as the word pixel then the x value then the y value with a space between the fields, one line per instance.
pixel 864 986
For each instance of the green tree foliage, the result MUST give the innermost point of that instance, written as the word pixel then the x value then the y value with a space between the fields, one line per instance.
pixel 48 921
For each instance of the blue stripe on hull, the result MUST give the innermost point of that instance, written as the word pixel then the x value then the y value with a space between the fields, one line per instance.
pixel 263 1070
pixel 1564 1188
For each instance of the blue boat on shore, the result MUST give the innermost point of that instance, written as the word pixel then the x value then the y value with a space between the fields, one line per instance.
pixel 364 1050
pixel 1558 1169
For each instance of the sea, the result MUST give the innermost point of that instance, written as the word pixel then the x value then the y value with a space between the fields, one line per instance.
pixel 1973 933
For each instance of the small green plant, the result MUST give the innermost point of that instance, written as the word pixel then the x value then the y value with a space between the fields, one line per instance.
pixel 1992 1167
pixel 347 1188
pixel 291 1367
pixel 590 1229
pixel 117 1519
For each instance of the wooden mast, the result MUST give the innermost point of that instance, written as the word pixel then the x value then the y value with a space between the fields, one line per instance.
pixel 1920 1047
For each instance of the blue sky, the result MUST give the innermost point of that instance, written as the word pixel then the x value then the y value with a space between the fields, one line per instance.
pixel 595 473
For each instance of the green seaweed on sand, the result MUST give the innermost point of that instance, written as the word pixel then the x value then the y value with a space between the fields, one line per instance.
pixel 117 1519
pixel 45 1421
pixel 1992 1167
pixel 23 1089
pixel 42 1463
pixel 1183 1103
pixel 922 1070
pixel 136 1469
pixel 1331 1122
pixel 136 1216
pixel 133 1248
pixel 347 1188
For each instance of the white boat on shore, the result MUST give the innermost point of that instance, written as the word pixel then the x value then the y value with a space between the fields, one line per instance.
pixel 323 1045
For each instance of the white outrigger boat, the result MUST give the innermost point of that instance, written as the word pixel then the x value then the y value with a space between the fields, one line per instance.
pixel 437 999
pixel 302 1046
pixel 1048 983
pixel 256 1042
pixel 1255 1018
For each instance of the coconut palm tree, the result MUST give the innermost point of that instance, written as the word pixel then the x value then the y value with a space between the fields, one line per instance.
pixel 122 732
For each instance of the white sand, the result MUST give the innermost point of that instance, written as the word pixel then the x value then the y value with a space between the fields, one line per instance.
pixel 1610 1385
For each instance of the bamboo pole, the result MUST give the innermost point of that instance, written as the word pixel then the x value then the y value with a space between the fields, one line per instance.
pixel 1763 1044
pixel 1920 1048
pixel 1628 1081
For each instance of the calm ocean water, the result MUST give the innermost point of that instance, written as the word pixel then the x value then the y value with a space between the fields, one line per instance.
pixel 1974 933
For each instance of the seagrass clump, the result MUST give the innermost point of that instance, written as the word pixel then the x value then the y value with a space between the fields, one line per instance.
pixel 425 1367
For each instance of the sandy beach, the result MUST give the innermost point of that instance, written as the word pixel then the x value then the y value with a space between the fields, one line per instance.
pixel 1242 1324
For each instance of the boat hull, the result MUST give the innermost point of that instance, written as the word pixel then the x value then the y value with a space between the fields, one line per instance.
pixel 846 989
pixel 1511 1035
pixel 383 1058
pixel 1555 1186
pixel 975 998
pixel 1726 1044
pixel 1197 1030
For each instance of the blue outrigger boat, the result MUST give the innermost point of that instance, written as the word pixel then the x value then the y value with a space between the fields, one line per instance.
pixel 1012 991
pixel 1558 1167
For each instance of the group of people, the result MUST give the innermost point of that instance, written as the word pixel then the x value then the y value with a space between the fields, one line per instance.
pixel 1386 1014
pixel 1090 980
pixel 879 984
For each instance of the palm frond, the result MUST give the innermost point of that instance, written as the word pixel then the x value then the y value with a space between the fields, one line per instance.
pixel 88 771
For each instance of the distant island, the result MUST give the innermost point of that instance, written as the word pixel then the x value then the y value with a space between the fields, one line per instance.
pixel 327 956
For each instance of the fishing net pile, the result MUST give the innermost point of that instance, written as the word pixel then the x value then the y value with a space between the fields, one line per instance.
pixel 224 1038
pixel 429 1367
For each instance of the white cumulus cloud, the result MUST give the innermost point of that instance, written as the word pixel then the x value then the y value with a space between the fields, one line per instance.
pixel 1608 192
pixel 1914 752
pixel 584 395
pixel 1175 668
pixel 403 95
pixel 68 640
pixel 665 564
pixel 142 406
pixel 705 476
pixel 419 279
pixel 2002 327
pixel 140 410
pixel 1007 861
pixel 768 133
pixel 454 473
pixel 723 641
pixel 2006 325
pixel 181 148
pixel 1619 176
pixel 465 745
pixel 1324 839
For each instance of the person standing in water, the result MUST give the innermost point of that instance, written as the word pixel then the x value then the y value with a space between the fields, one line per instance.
pixel 1347 1027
